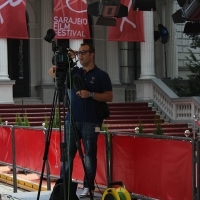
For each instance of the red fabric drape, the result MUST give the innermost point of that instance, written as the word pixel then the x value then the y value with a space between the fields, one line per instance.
pixel 70 19
pixel 157 168
pixel 5 145
pixel 13 19
pixel 128 28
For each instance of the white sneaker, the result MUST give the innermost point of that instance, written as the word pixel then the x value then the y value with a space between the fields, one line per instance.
pixel 85 193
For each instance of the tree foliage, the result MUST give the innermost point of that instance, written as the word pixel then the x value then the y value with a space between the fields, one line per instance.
pixel 193 64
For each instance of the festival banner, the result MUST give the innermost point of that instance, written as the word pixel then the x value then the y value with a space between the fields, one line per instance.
pixel 130 28
pixel 70 19
pixel 13 19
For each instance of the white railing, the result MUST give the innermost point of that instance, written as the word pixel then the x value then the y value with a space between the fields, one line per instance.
pixel 176 108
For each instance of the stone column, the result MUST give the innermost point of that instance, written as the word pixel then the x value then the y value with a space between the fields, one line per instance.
pixel 6 85
pixel 46 88
pixel 147 48
pixel 4 60
pixel 172 51
pixel 147 60
pixel 113 61
pixel 112 68
pixel 75 44
pixel 46 24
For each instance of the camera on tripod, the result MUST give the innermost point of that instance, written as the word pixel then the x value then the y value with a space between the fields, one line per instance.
pixel 62 58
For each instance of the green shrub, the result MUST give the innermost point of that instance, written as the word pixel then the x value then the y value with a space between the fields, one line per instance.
pixel 22 121
pixel 1 120
pixel 26 121
pixel 140 127
pixel 18 120
pixel 158 128
pixel 104 127
pixel 46 122
pixel 56 120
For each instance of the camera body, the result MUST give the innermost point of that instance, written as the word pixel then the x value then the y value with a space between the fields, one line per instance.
pixel 63 62
pixel 61 59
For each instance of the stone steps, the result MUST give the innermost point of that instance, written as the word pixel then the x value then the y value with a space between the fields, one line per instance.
pixel 124 117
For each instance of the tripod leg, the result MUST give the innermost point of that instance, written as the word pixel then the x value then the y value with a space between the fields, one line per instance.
pixel 47 143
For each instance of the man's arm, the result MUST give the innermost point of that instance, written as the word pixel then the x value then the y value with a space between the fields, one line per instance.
pixel 106 96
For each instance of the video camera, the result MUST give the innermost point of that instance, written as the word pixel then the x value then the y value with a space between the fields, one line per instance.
pixel 62 59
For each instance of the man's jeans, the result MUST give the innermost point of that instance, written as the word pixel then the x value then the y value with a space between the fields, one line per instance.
pixel 86 132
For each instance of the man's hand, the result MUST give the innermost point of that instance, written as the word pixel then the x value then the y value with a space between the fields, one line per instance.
pixel 52 70
pixel 83 94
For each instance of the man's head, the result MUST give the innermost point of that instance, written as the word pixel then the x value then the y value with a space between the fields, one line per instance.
pixel 86 54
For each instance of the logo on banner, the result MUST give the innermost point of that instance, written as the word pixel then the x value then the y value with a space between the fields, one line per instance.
pixel 125 19
pixel 12 3
pixel 128 28
pixel 70 19
pixel 13 19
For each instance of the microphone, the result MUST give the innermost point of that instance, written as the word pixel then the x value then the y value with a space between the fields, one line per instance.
pixel 78 83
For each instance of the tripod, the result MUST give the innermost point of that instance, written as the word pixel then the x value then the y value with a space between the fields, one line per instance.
pixel 60 87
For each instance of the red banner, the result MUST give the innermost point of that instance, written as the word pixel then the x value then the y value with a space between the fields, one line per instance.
pixel 71 19
pixel 130 28
pixel 13 19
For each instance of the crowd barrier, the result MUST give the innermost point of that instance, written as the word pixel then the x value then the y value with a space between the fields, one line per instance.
pixel 23 148
pixel 154 167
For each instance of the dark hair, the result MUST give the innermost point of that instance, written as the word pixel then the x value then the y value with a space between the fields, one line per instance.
pixel 91 48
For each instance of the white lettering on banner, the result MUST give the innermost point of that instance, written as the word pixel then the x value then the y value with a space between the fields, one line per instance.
pixel 70 20
pixel 62 26
pixel 70 33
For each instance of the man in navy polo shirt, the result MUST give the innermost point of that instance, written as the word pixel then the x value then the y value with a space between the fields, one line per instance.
pixel 97 86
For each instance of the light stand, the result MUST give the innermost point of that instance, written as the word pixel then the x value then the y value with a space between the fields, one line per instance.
pixel 163 35
pixel 165 53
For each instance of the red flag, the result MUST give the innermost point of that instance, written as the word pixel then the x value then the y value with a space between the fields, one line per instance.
pixel 70 19
pixel 130 28
pixel 13 19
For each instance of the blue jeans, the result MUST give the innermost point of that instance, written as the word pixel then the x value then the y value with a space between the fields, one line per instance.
pixel 86 132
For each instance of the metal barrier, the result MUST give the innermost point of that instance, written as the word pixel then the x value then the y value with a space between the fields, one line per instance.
pixel 158 167
pixel 23 148
pixel 150 166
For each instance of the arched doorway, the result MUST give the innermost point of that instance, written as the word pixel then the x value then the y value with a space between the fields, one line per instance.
pixel 18 65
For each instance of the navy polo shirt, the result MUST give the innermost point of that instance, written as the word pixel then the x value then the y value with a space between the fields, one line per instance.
pixel 95 80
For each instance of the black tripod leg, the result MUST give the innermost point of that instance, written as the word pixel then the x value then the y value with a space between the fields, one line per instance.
pixel 47 143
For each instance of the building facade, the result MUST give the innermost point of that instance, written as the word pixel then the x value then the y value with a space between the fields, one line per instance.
pixel 24 63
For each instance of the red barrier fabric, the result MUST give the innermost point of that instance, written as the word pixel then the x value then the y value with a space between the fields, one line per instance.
pixel 29 144
pixel 156 168
pixel 78 173
pixel 54 153
pixel 29 152
pixel 101 177
pixel 5 145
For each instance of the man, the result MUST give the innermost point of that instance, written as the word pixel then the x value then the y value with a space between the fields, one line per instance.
pixel 97 87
